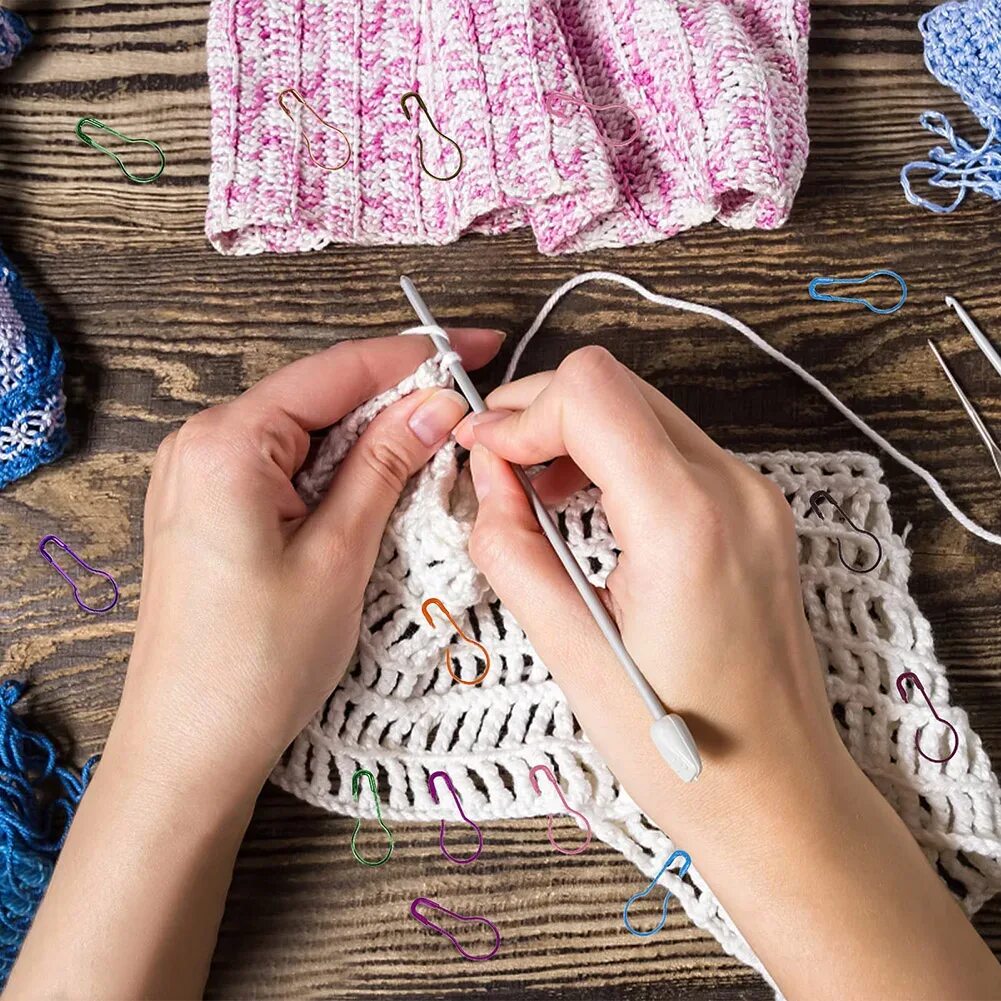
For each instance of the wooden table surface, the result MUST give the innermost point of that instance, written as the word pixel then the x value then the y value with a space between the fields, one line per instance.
pixel 155 325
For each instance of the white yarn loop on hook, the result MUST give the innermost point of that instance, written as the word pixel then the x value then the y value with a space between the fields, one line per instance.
pixel 429 329
pixel 759 342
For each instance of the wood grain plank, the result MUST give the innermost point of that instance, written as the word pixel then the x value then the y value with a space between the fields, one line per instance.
pixel 156 326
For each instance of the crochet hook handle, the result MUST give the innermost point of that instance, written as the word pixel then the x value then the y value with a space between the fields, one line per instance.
pixel 669 731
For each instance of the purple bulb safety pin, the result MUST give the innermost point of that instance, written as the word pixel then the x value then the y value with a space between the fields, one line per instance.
pixel 458 806
pixel 428 923
pixel 56 541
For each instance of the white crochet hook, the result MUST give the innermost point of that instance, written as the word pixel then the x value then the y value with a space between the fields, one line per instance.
pixel 669 731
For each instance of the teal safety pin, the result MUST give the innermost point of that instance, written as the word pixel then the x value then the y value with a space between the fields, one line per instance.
pixel 826 297
pixel 667 899
pixel 93 123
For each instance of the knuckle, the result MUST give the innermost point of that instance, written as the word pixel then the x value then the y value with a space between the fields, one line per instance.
pixel 485 546
pixel 203 446
pixel 776 510
pixel 388 463
pixel 588 366
pixel 164 449
pixel 280 440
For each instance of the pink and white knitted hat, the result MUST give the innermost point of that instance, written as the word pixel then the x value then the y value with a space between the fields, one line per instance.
pixel 714 94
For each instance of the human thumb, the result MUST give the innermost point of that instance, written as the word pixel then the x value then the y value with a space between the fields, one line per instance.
pixel 374 473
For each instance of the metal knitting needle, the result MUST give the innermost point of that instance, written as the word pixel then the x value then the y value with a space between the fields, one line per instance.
pixel 978 335
pixel 992 446
pixel 669 731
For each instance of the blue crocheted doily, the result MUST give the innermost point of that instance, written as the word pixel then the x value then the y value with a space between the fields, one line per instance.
pixel 32 415
pixel 962 51
pixel 14 36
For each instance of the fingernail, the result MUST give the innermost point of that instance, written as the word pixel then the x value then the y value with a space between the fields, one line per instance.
pixel 487 417
pixel 463 432
pixel 476 332
pixel 479 466
pixel 437 415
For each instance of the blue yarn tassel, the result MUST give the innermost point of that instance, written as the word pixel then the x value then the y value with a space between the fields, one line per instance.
pixel 963 168
pixel 38 798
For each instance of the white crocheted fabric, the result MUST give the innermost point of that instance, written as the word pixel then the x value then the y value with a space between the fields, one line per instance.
pixel 400 715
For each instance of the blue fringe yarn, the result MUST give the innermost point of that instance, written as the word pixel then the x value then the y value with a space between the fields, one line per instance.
pixel 962 51
pixel 963 168
pixel 38 798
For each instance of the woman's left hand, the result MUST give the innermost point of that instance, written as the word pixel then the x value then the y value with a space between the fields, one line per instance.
pixel 250 604
pixel 250 613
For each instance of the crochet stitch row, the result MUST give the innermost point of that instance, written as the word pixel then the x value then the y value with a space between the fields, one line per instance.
pixel 715 91
pixel 400 715
pixel 963 51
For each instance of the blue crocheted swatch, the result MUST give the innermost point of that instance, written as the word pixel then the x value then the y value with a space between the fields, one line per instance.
pixel 14 36
pixel 962 51
pixel 32 415
pixel 32 406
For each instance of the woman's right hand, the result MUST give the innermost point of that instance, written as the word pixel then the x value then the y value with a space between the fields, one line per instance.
pixel 706 592
pixel 811 863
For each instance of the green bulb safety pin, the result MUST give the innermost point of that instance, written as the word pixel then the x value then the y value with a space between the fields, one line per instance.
pixel 356 792
pixel 93 123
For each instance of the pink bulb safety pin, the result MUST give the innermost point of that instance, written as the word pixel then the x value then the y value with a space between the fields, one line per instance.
pixel 534 779
pixel 55 540
pixel 428 923
pixel 551 99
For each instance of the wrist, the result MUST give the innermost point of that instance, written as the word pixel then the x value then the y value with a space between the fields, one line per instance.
pixel 158 760
pixel 765 804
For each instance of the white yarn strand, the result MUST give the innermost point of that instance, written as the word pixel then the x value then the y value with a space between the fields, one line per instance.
pixel 759 342
pixel 428 330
